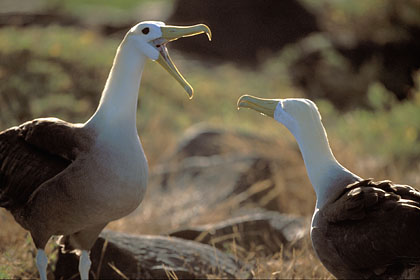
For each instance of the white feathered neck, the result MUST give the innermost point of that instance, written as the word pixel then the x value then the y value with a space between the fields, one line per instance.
pixel 302 118
pixel 118 105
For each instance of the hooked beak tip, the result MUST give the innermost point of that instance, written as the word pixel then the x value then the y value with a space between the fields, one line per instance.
pixel 190 92
pixel 242 101
pixel 208 32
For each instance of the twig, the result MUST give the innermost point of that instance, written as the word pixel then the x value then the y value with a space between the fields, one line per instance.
pixel 118 271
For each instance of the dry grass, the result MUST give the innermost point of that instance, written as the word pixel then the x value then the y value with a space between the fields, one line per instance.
pixel 298 263
pixel 16 249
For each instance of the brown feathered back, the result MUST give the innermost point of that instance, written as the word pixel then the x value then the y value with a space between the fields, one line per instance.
pixel 371 229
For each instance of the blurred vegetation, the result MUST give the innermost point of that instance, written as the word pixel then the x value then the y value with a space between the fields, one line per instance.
pixel 372 20
pixel 390 132
pixel 64 76
pixel 60 71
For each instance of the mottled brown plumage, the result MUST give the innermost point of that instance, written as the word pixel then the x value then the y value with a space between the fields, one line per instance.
pixel 370 230
pixel 31 154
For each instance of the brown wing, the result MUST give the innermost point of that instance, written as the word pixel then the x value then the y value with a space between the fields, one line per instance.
pixel 54 136
pixel 375 226
pixel 31 154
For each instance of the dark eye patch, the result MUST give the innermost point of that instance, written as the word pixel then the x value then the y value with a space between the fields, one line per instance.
pixel 145 30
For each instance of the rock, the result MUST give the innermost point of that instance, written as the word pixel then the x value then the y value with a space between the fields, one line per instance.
pixel 202 184
pixel 203 141
pixel 244 31
pixel 123 256
pixel 265 233
pixel 244 164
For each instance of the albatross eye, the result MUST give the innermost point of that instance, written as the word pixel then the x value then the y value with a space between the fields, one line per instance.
pixel 145 30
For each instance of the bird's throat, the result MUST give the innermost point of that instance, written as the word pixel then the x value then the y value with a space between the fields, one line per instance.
pixel 322 167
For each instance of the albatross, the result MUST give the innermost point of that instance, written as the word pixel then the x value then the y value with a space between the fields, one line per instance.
pixel 360 228
pixel 71 180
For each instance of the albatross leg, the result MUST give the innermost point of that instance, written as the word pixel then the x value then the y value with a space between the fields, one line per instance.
pixel 83 241
pixel 42 263
pixel 84 265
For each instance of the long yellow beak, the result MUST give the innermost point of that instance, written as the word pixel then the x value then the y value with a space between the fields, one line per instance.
pixel 172 33
pixel 262 105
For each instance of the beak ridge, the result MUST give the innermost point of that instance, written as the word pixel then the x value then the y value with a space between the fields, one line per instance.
pixel 262 105
pixel 171 33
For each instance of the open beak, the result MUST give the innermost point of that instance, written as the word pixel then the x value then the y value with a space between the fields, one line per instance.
pixel 172 33
pixel 262 105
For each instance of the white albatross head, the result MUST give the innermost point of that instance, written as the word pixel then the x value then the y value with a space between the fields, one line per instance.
pixel 303 120
pixel 294 113
pixel 151 38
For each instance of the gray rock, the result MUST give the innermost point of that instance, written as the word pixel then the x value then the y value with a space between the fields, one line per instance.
pixel 201 140
pixel 216 171
pixel 122 256
pixel 265 233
